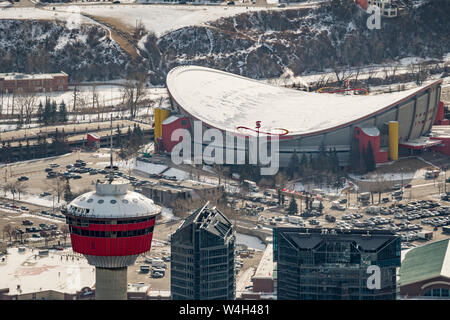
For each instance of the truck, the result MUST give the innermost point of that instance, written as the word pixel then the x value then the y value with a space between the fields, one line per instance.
pixel 294 219
pixel 446 229
pixel 336 205
pixel 364 197
pixel 316 205
pixel 432 174
pixel 251 185
pixel 425 235
pixel 145 269
pixel 158 263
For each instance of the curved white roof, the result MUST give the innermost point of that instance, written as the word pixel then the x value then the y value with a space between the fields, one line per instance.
pixel 227 101
pixel 112 201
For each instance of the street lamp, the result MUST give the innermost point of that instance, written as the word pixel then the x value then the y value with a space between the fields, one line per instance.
pixel 258 126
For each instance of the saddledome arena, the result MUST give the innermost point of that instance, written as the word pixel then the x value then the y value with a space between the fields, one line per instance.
pixel 399 121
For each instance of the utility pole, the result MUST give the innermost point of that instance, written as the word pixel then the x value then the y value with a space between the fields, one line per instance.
pixel 258 126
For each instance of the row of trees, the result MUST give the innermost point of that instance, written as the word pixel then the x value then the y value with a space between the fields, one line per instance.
pixel 40 149
pixel 129 142
pixel 323 162
pixel 362 161
pixel 50 114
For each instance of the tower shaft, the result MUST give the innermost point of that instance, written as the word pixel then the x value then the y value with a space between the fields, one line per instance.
pixel 111 283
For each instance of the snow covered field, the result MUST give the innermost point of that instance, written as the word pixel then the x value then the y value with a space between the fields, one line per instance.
pixel 391 176
pixel 164 18
pixel 40 14
pixel 298 186
pixel 35 199
pixel 106 95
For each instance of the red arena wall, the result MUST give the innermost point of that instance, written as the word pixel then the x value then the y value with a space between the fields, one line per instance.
pixel 364 138
pixel 169 127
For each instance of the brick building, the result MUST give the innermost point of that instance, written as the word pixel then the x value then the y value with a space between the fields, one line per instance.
pixel 20 82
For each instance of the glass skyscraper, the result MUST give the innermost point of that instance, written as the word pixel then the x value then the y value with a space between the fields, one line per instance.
pixel 330 264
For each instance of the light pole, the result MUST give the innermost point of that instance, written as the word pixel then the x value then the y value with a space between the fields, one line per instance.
pixel 258 125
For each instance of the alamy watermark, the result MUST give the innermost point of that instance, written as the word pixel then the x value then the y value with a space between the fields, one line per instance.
pixel 374 20
pixel 374 280
pixel 259 148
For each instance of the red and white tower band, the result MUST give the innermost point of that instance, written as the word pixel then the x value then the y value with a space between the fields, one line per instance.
pixel 111 226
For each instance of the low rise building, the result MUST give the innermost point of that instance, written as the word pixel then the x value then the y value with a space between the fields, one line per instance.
pixel 44 82
pixel 164 192
pixel 425 271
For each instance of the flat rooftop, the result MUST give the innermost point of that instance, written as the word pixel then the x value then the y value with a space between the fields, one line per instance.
pixel 24 76
pixel 57 271
pixel 265 267
pixel 227 101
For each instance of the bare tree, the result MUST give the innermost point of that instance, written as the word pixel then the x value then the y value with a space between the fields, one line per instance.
pixel 370 74
pixel 26 102
pixel 75 91
pixel 11 187
pixel 280 181
pixel 134 92
pixel 57 186
pixel 8 229
pixel 65 233
pixel 20 187
pixel 379 186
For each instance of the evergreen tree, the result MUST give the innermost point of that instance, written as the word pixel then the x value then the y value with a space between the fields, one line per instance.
pixel 293 165
pixel 62 112
pixel 371 164
pixel 40 113
pixel 47 112
pixel 363 161
pixel 304 161
pixel 54 112
pixel 293 208
pixel 68 195
pixel 322 159
pixel 119 137
pixel 335 161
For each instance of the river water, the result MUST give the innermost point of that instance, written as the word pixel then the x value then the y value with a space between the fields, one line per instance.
pixel 250 241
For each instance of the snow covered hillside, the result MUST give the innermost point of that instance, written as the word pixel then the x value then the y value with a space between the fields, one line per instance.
pixel 85 53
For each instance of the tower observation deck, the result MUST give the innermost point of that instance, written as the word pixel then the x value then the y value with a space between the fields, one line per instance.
pixel 111 226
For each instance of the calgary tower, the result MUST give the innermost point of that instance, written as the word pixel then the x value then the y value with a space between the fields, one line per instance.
pixel 111 226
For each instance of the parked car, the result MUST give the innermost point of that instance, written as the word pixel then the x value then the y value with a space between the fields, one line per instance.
pixel 23 178
pixel 27 222
pixel 51 175
pixel 54 165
